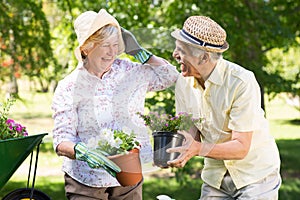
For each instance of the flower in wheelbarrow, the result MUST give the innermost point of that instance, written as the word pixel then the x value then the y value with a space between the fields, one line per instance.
pixel 112 142
pixel 8 127
pixel 16 129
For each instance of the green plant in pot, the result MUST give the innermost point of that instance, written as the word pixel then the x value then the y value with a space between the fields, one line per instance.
pixel 122 147
pixel 164 131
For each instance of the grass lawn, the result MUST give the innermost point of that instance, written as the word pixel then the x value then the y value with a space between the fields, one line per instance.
pixel 35 113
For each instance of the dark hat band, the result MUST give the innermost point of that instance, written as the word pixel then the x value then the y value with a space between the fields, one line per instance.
pixel 197 41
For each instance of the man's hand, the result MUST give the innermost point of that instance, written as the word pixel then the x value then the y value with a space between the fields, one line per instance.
pixel 190 147
pixel 95 159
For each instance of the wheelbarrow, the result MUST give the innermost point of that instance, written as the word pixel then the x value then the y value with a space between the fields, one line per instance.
pixel 12 154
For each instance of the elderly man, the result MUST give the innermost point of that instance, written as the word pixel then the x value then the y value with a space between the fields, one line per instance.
pixel 241 158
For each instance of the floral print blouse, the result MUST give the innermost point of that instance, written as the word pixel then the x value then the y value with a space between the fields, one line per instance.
pixel 83 104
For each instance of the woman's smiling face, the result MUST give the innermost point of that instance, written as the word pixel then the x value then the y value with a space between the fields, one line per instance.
pixel 103 54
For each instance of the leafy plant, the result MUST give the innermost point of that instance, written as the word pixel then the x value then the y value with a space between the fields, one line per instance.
pixel 8 127
pixel 112 142
pixel 165 122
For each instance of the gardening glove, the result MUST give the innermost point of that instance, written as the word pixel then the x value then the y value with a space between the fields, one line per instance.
pixel 95 159
pixel 190 147
pixel 133 48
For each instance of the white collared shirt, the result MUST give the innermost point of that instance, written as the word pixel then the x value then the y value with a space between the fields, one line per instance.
pixel 231 101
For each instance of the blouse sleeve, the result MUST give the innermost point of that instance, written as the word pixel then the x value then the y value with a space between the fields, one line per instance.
pixel 162 77
pixel 156 77
pixel 64 114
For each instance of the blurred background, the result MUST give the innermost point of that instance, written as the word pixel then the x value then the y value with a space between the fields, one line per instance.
pixel 37 43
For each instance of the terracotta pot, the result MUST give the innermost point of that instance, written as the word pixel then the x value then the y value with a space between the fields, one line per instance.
pixel 130 165
pixel 164 140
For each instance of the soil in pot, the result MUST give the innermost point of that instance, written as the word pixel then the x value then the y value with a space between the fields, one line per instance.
pixel 162 141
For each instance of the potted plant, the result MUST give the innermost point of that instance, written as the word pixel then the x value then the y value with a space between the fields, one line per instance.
pixel 164 131
pixel 122 148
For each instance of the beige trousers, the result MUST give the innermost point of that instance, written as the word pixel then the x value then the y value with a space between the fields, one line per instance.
pixel 77 191
pixel 265 189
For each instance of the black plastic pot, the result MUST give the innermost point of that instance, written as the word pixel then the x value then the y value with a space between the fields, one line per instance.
pixel 162 141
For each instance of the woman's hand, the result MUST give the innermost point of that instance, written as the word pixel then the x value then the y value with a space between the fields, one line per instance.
pixel 133 48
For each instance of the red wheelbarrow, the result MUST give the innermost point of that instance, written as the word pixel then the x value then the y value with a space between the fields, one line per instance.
pixel 12 154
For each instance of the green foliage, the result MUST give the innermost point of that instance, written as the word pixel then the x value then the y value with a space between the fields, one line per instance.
pixel 192 170
pixel 24 46
pixel 170 123
pixel 112 142
pixel 161 102
pixel 253 29
pixel 4 111
pixel 128 141
pixel 8 127
pixel 285 63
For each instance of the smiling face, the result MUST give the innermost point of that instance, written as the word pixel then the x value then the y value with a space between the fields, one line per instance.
pixel 188 62
pixel 103 54
pixel 100 50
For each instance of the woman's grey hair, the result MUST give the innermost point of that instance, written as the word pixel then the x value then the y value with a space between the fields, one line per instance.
pixel 98 37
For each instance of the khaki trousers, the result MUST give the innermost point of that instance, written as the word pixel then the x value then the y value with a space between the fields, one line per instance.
pixel 265 189
pixel 77 191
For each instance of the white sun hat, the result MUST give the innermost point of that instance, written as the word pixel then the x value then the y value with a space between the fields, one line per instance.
pixel 87 23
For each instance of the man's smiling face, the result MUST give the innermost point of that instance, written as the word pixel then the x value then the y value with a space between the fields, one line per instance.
pixel 185 58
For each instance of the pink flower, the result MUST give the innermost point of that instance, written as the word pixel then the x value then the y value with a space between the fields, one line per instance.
pixel 10 122
pixel 8 127
pixel 19 128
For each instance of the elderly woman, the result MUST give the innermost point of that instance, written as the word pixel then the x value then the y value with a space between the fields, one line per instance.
pixel 103 92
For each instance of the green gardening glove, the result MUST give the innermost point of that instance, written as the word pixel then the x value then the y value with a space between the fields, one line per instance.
pixel 95 159
pixel 133 48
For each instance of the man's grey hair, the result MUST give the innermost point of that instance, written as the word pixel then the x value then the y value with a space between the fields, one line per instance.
pixel 214 57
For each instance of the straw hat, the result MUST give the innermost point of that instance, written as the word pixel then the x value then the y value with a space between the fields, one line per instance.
pixel 88 23
pixel 204 33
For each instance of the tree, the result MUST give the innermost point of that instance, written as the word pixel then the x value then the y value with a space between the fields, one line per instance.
pixel 253 27
pixel 285 63
pixel 24 40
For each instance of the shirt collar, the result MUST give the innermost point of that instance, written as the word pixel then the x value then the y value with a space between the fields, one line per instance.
pixel 216 77
pixel 196 83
